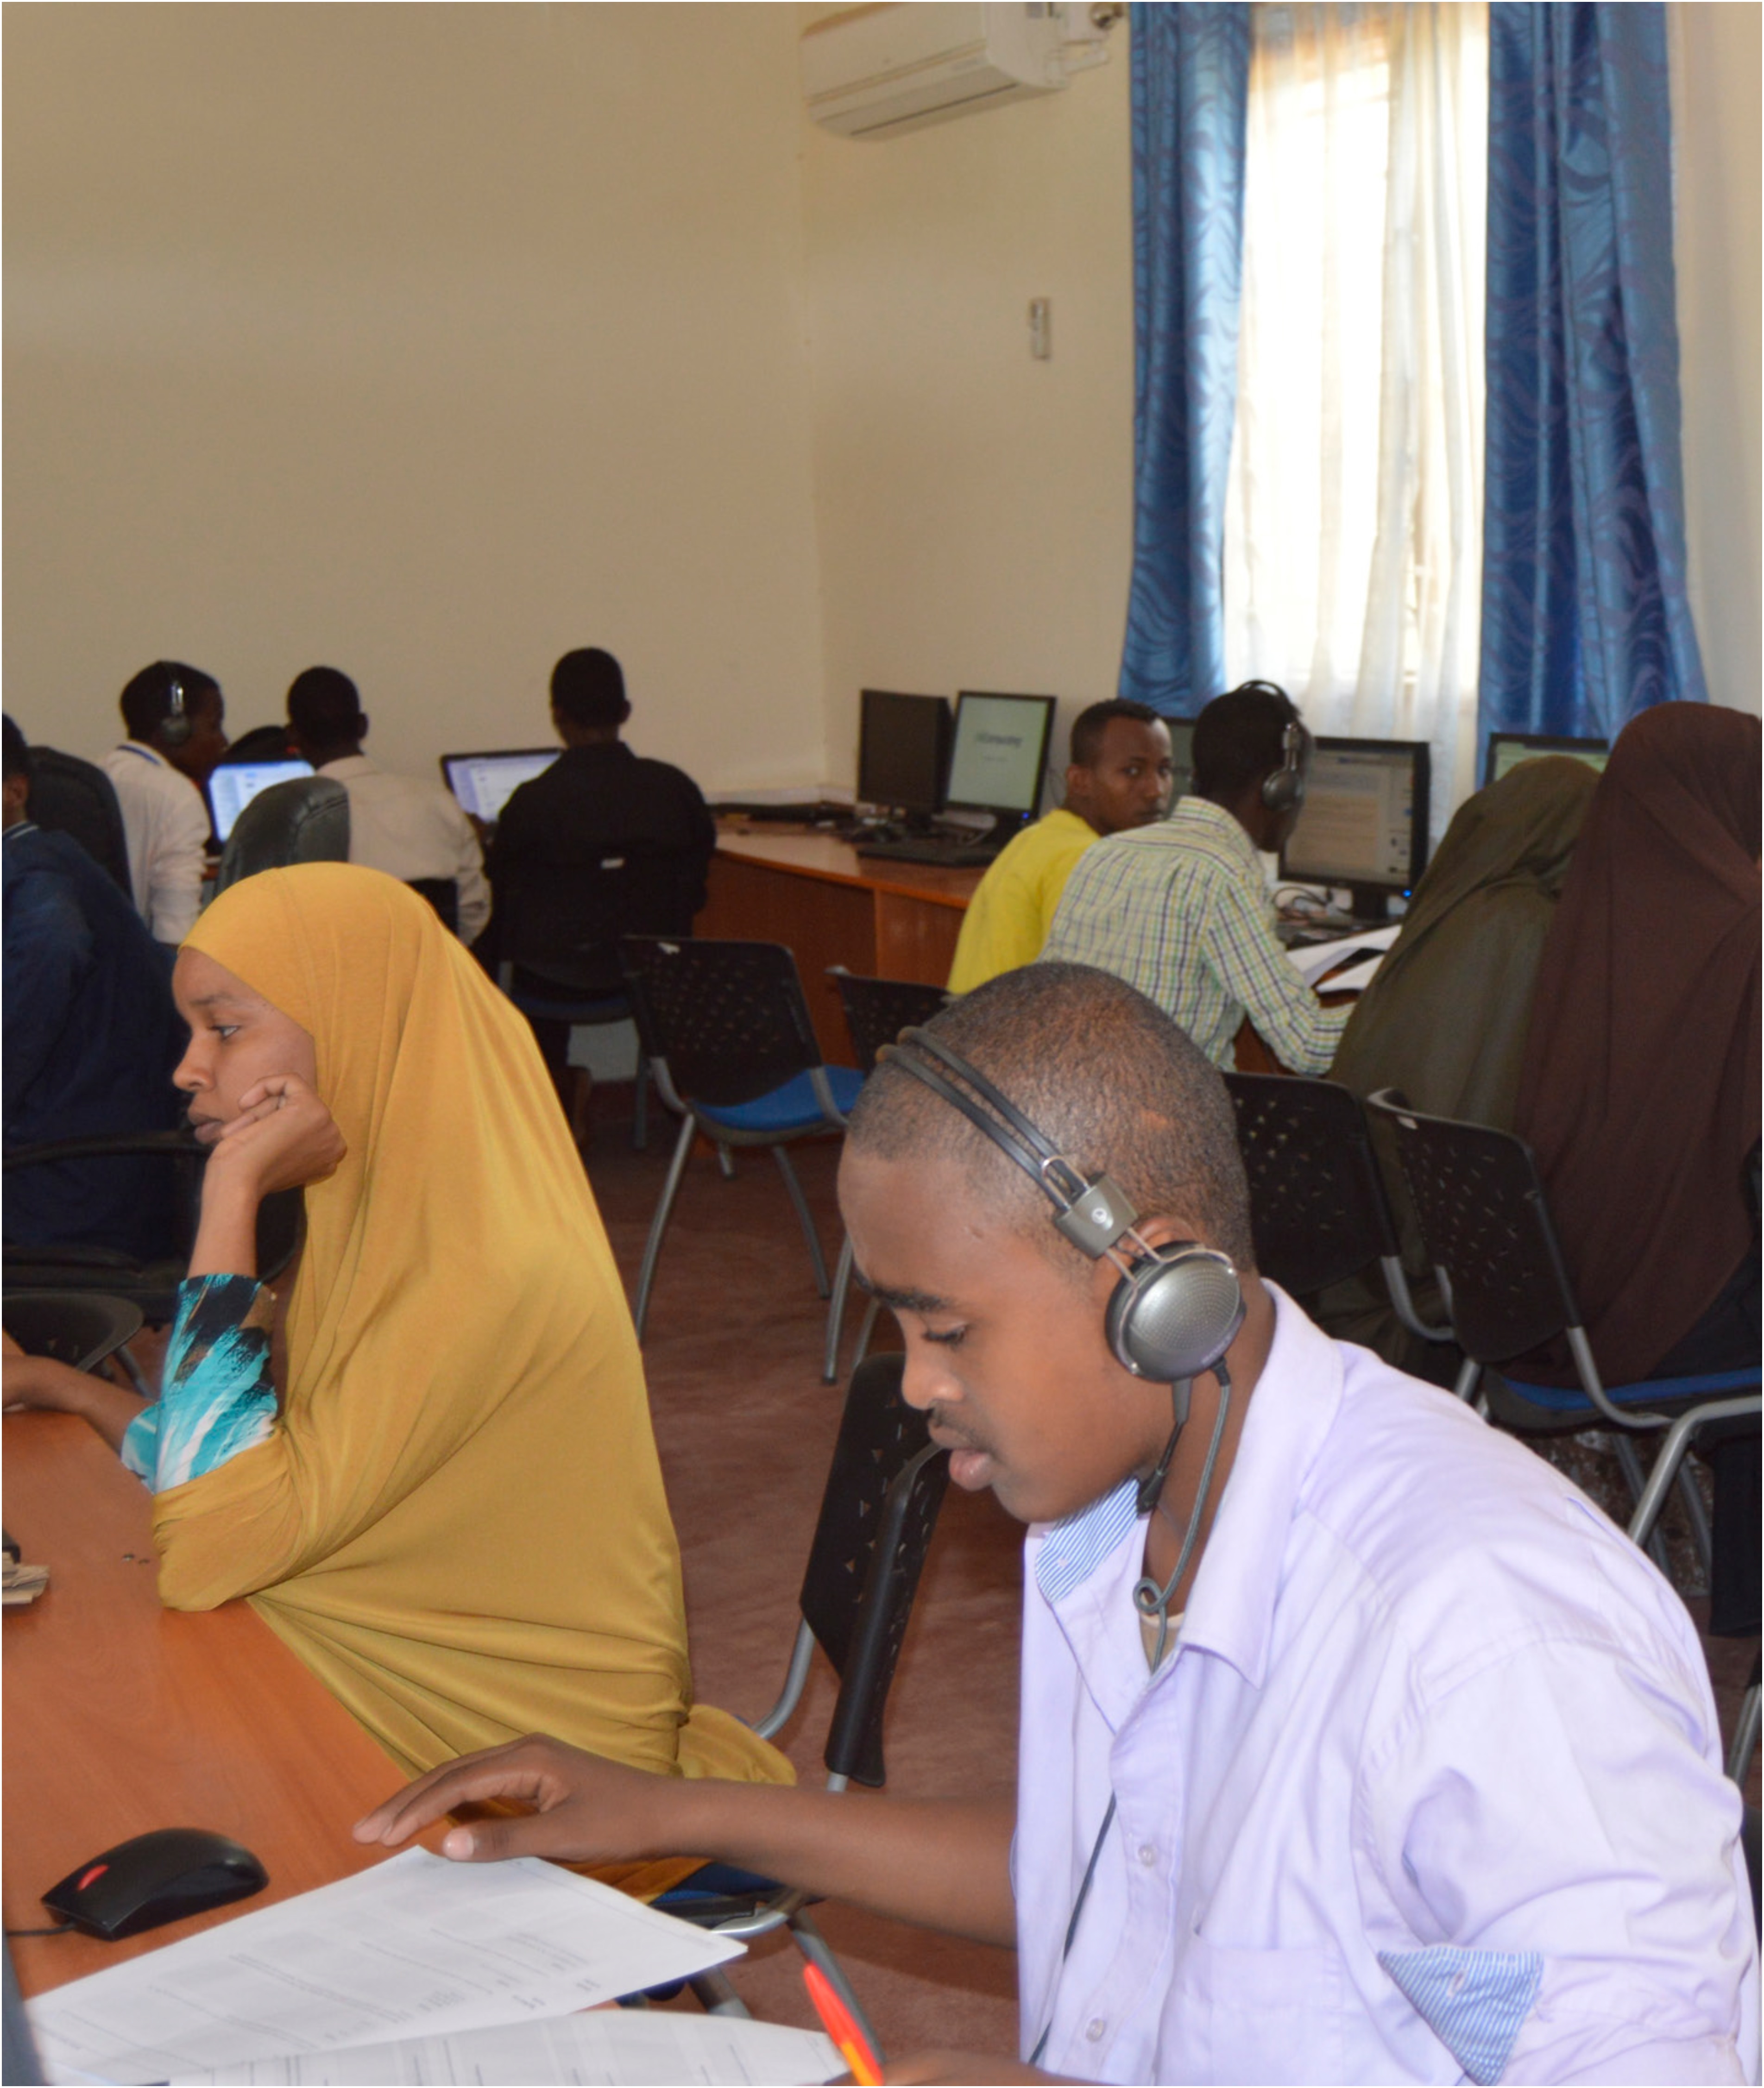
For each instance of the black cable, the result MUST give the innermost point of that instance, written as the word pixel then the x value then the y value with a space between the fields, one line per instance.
pixel 61 1929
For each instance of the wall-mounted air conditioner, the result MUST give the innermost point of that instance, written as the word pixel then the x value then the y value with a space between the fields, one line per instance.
pixel 874 72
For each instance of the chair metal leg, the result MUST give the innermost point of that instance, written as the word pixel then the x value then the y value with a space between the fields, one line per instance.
pixel 133 1369
pixel 640 1113
pixel 1745 1735
pixel 835 1315
pixel 718 1997
pixel 813 1946
pixel 725 1160
pixel 823 1288
pixel 1651 1497
pixel 1465 1386
pixel 867 1330
pixel 1696 1515
pixel 658 1225
pixel 1623 1444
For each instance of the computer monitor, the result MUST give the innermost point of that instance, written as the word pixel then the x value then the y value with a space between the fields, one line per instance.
pixel 483 783
pixel 234 784
pixel 1507 750
pixel 1000 752
pixel 1181 757
pixel 903 752
pixel 1365 821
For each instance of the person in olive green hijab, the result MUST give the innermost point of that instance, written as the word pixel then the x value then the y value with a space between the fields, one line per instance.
pixel 1446 1016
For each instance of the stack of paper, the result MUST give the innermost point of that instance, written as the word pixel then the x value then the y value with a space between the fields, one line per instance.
pixel 416 1948
pixel 1311 961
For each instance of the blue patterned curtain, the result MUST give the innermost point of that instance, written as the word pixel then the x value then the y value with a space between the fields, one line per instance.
pixel 1190 92
pixel 1585 616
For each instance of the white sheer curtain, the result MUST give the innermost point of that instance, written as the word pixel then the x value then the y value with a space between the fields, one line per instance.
pixel 1353 537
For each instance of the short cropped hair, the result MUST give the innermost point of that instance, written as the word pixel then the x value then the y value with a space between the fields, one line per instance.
pixel 1106 1074
pixel 1090 726
pixel 324 706
pixel 588 686
pixel 1240 737
pixel 146 701
pixel 18 755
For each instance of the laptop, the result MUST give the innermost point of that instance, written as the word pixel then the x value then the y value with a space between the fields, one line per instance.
pixel 483 783
pixel 234 784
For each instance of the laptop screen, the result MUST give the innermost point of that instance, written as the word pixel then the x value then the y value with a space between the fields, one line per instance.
pixel 234 784
pixel 483 783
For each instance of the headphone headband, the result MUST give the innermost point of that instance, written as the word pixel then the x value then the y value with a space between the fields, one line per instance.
pixel 1093 1215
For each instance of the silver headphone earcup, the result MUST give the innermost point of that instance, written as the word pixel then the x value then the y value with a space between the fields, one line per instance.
pixel 1174 1313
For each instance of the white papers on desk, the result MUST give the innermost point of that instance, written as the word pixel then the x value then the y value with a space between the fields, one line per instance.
pixel 636 2047
pixel 1310 961
pixel 416 1946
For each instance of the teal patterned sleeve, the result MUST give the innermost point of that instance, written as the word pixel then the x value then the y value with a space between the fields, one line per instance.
pixel 216 1397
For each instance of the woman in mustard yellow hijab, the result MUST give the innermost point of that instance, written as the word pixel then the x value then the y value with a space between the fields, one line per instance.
pixel 448 1500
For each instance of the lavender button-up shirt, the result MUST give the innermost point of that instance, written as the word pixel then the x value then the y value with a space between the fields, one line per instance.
pixel 1430 1790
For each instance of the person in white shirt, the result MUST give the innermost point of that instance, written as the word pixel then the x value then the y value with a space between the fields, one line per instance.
pixel 412 830
pixel 175 716
pixel 1356 1744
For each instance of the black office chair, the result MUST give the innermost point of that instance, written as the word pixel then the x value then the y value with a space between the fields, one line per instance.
pixel 554 933
pixel 69 796
pixel 732 1049
pixel 78 1328
pixel 305 820
pixel 1505 1280
pixel 1317 1207
pixel 885 1487
pixel 149 1284
pixel 876 1011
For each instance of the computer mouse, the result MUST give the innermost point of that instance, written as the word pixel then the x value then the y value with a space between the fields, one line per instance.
pixel 154 1878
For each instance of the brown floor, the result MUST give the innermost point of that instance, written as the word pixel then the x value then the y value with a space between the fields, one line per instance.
pixel 745 1427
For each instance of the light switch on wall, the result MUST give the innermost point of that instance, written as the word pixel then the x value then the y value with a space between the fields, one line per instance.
pixel 1041 328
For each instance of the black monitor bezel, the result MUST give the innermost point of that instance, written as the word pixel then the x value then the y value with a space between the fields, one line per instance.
pixel 1005 815
pixel 945 740
pixel 1539 742
pixel 1421 755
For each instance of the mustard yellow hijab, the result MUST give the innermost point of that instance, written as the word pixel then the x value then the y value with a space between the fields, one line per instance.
pixel 458 1523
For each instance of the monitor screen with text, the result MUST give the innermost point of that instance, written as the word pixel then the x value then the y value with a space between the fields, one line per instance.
pixel 1001 751
pixel 484 783
pixel 234 784
pixel 1507 750
pixel 1364 820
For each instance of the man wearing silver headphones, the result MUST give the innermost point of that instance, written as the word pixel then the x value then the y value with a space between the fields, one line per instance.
pixel 1356 1744
pixel 1181 908
pixel 174 716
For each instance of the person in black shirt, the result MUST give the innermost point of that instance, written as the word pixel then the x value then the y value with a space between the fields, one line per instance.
pixel 605 843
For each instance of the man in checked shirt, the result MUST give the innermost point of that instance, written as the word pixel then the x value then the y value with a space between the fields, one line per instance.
pixel 1180 909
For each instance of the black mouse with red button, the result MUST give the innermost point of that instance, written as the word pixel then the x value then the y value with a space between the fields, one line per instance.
pixel 154 1878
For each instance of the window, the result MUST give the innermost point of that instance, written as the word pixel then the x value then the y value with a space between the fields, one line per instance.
pixel 1353 550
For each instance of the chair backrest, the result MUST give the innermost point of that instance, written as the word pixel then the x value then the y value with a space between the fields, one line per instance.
pixel 877 1010
pixel 1317 1206
pixel 728 1019
pixel 69 796
pixel 305 820
pixel 885 1487
pixel 443 893
pixel 561 920
pixel 75 1326
pixel 1485 1221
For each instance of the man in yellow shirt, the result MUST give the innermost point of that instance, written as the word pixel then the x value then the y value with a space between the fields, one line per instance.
pixel 1120 777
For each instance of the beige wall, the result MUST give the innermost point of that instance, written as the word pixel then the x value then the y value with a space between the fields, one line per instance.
pixel 974 505
pixel 430 340
pixel 1717 60
pixel 424 340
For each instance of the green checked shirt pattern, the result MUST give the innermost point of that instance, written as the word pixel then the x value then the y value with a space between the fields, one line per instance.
pixel 1180 910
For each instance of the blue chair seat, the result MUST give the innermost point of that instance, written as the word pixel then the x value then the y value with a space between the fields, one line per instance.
pixel 792 1107
pixel 1564 1399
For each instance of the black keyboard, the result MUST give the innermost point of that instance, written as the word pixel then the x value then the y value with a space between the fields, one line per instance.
pixel 948 854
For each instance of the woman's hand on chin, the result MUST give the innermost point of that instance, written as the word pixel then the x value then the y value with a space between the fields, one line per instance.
pixel 283 1137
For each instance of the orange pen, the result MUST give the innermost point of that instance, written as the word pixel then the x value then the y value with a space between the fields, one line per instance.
pixel 836 2020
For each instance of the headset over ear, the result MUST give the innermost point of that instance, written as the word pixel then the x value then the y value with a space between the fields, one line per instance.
pixel 1282 788
pixel 1177 1308
pixel 176 725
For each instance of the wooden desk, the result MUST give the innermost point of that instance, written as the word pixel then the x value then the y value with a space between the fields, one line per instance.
pixel 833 906
pixel 121 1716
